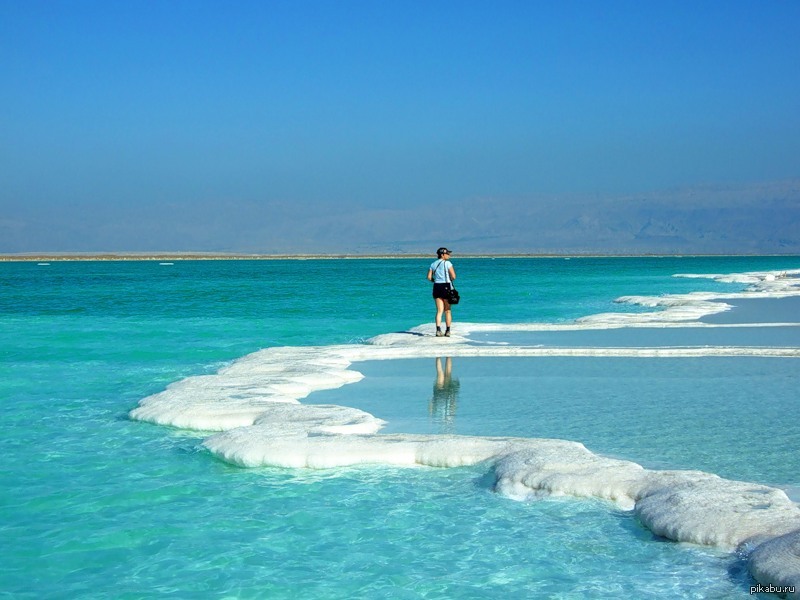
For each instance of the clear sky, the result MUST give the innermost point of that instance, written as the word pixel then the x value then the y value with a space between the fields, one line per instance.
pixel 114 104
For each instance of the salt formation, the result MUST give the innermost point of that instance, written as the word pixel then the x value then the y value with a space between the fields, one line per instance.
pixel 254 403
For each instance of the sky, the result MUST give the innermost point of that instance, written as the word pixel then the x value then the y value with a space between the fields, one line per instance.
pixel 135 118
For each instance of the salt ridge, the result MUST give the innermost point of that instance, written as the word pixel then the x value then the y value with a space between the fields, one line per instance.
pixel 254 403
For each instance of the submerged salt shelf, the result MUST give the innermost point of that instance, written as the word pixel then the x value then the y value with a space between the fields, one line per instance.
pixel 255 405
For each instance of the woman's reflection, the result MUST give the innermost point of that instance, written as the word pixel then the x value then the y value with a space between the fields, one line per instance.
pixel 442 407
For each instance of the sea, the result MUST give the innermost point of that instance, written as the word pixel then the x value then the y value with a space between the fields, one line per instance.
pixel 294 429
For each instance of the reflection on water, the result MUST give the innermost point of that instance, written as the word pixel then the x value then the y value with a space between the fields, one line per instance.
pixel 442 407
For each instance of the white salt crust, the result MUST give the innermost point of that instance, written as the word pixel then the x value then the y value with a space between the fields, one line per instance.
pixel 254 403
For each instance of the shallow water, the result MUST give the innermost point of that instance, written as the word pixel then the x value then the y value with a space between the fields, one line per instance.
pixel 351 533
pixel 724 415
pixel 98 506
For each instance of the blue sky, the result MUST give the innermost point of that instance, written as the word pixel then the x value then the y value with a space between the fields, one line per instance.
pixel 109 105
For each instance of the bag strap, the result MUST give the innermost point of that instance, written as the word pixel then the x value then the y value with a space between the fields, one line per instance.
pixel 446 273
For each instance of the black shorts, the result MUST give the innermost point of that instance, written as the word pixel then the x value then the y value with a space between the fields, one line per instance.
pixel 441 290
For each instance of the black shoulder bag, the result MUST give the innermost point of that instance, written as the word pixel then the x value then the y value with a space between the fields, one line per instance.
pixel 453 296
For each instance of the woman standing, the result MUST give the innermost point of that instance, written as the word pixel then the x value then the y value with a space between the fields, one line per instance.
pixel 442 274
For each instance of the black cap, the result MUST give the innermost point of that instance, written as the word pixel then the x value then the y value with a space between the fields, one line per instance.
pixel 443 250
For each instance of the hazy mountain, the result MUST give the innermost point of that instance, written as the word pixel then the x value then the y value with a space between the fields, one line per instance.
pixel 762 219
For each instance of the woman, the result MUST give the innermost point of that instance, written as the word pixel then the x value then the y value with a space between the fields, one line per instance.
pixel 442 274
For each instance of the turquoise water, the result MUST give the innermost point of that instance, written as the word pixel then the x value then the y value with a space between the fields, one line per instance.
pixel 723 415
pixel 97 506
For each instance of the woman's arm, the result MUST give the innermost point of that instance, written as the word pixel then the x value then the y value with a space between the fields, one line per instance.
pixel 430 275
pixel 452 273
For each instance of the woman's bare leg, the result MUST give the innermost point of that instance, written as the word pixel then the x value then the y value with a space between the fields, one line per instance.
pixel 439 311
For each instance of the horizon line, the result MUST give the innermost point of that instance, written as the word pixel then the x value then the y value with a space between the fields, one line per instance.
pixel 188 256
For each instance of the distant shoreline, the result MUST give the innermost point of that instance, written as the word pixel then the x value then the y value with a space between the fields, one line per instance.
pixel 192 256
